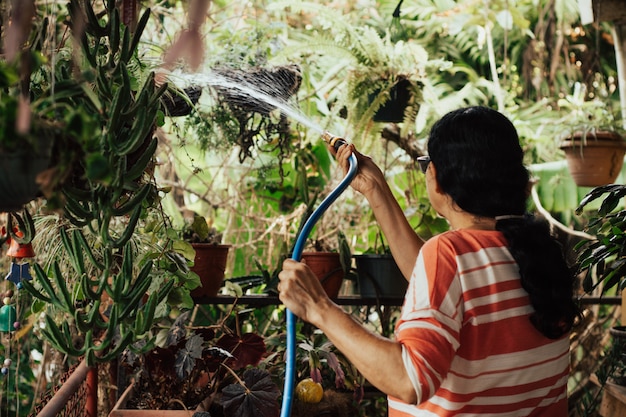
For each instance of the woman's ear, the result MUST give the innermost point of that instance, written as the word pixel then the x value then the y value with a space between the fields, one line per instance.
pixel 431 176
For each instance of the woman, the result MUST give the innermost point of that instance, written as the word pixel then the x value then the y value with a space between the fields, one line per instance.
pixel 485 321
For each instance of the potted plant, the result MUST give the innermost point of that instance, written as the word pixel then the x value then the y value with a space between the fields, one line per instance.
pixel 602 260
pixel 27 132
pixel 208 254
pixel 594 145
pixel 101 293
pixel 330 263
pixel 211 369
pixel 382 79
pixel 378 274
pixel 242 107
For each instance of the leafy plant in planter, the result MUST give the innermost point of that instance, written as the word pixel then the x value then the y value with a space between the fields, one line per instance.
pixel 594 145
pixel 377 272
pixel 27 132
pixel 237 108
pixel 206 369
pixel 202 245
pixel 108 298
pixel 602 261
pixel 378 68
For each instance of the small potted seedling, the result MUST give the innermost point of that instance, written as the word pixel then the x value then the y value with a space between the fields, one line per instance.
pixel 210 256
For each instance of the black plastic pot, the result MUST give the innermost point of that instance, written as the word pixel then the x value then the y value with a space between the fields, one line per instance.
pixel 392 111
pixel 379 276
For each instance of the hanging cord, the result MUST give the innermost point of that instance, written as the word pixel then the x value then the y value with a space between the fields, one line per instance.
pixel 396 12
pixel 290 361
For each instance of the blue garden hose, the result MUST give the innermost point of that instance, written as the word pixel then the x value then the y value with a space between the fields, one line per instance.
pixel 290 362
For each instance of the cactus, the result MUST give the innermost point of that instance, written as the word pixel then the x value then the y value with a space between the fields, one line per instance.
pixel 108 190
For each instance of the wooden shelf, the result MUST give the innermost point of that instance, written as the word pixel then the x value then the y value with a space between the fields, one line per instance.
pixel 261 300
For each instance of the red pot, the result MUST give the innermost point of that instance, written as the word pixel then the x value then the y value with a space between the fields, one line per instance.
pixel 327 268
pixel 209 264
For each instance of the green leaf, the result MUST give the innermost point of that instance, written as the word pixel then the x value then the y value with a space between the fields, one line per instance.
pixel 200 227
pixel 98 168
pixel 184 248
pixel 171 234
pixel 608 205
pixel 92 96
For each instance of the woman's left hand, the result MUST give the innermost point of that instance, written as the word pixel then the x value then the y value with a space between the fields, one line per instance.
pixel 301 291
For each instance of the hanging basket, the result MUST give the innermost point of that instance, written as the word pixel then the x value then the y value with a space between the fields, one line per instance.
pixel 18 178
pixel 392 111
pixel 239 88
pixel 595 161
pixel 180 103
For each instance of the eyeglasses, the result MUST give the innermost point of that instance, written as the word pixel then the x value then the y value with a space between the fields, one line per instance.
pixel 423 162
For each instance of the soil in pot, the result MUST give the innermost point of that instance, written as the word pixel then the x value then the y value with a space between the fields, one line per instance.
pixel 327 267
pixel 210 264
pixel 598 162
pixel 120 410
pixel 379 276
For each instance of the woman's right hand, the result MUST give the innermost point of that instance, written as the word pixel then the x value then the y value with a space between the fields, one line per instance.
pixel 369 176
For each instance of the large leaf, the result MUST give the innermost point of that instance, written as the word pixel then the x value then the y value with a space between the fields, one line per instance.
pixel 258 398
pixel 186 357
pixel 247 349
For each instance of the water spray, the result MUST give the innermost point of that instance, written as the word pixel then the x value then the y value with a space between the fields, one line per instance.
pixel 218 80
pixel 290 361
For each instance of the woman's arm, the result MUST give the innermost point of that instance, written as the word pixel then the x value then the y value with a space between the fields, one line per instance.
pixel 370 181
pixel 377 358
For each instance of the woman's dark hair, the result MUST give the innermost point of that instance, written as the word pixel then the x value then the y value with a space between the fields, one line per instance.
pixel 479 164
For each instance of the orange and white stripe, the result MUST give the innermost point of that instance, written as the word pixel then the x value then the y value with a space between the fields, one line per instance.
pixel 469 347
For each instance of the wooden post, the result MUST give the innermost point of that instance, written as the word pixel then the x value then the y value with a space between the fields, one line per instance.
pixel 67 390
pixel 92 392
pixel 619 36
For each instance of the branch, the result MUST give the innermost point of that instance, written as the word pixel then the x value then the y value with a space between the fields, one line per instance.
pixel 554 222
pixel 408 144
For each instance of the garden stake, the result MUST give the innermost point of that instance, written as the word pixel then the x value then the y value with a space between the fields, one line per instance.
pixel 290 371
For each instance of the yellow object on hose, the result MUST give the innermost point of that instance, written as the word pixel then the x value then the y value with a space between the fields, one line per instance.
pixel 309 391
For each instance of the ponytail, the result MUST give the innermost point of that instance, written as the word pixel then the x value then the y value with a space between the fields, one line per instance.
pixel 544 273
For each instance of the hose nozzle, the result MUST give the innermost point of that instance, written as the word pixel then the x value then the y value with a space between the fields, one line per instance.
pixel 332 140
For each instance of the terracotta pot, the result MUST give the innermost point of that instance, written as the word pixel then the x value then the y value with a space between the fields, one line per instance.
pixel 327 267
pixel 598 162
pixel 379 276
pixel 209 264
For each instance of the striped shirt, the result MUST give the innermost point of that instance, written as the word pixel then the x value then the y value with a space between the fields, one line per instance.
pixel 468 345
